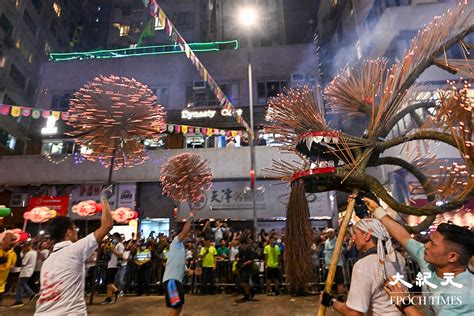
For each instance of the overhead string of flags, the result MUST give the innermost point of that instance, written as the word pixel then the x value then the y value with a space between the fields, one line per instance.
pixel 23 111
pixel 158 15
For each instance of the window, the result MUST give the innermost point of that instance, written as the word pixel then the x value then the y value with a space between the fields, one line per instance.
pixel 184 20
pixel 61 102
pixel 17 76
pixel 5 24
pixel 7 140
pixel 37 4
pixel 126 10
pixel 269 89
pixel 52 27
pixel 22 49
pixel 163 95
pixel 30 91
pixel 29 22
pixel 124 30
pixel 205 97
pixel 47 48
pixel 57 147
pixel 57 9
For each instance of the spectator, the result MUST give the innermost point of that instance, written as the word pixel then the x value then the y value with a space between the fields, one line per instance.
pixel 7 260
pixel 112 268
pixel 329 246
pixel 208 256
pixel 27 269
pixel 143 268
pixel 231 142
pixel 223 251
pixel 218 231
pixel 43 253
pixel 272 266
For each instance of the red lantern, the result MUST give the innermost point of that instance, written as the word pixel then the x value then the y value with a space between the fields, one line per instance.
pixel 87 208
pixel 40 214
pixel 123 215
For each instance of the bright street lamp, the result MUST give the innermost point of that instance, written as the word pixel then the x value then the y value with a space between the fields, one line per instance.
pixel 248 16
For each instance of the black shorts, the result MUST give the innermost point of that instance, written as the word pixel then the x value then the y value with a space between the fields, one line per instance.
pixel 110 275
pixel 245 274
pixel 273 273
pixel 338 277
pixel 176 299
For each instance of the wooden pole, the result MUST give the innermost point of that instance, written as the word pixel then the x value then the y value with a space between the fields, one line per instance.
pixel 111 169
pixel 337 250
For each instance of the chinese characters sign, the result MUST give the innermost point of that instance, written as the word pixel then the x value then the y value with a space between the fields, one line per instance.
pixel 233 199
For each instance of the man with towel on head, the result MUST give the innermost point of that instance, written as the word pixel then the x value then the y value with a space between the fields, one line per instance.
pixel 447 284
pixel 377 261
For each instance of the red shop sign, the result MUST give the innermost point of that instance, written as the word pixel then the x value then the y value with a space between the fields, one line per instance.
pixel 58 203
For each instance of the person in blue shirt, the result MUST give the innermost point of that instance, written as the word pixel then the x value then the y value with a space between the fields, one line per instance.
pixel 447 284
pixel 175 269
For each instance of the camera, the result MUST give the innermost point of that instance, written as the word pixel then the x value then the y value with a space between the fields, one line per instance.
pixel 361 209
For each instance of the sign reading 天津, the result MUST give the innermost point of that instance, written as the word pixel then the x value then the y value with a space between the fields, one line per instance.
pixel 233 199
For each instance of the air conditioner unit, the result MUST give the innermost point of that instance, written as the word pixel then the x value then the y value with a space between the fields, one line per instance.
pixel 19 200
pixel 297 79
pixel 199 85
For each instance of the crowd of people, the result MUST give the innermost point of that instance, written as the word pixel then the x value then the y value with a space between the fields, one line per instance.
pixel 51 267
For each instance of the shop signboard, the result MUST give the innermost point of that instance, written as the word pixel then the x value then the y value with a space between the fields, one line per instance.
pixel 233 199
pixel 57 203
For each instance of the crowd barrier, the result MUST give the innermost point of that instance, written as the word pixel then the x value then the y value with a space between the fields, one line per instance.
pixel 226 275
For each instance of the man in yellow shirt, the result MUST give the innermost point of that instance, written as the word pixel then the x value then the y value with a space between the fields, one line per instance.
pixel 7 260
pixel 272 265
pixel 208 256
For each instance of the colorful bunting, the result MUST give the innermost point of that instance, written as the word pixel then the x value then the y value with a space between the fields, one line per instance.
pixel 16 111
pixel 25 111
pixel 36 114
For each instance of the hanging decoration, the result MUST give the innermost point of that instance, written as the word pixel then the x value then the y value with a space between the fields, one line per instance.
pixel 157 12
pixel 170 128
pixel 123 215
pixel 19 235
pixel 185 176
pixel 111 116
pixel 87 208
pixel 40 214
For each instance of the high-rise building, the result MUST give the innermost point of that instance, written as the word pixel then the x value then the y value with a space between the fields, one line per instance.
pixel 29 30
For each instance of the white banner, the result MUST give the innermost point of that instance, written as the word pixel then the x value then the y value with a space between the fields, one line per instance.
pixel 125 194
pixel 233 199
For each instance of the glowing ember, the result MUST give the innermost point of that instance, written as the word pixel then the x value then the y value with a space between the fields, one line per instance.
pixel 185 176
pixel 114 114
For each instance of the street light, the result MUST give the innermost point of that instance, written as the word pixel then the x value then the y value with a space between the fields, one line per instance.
pixel 248 18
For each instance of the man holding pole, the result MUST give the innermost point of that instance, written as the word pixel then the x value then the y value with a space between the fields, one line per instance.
pixel 175 269
pixel 366 295
pixel 447 284
pixel 63 272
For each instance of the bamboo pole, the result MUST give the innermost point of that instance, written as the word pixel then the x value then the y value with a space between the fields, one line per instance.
pixel 337 250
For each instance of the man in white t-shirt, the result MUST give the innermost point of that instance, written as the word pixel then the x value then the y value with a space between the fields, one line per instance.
pixel 27 268
pixel 63 273
pixel 113 267
pixel 366 295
